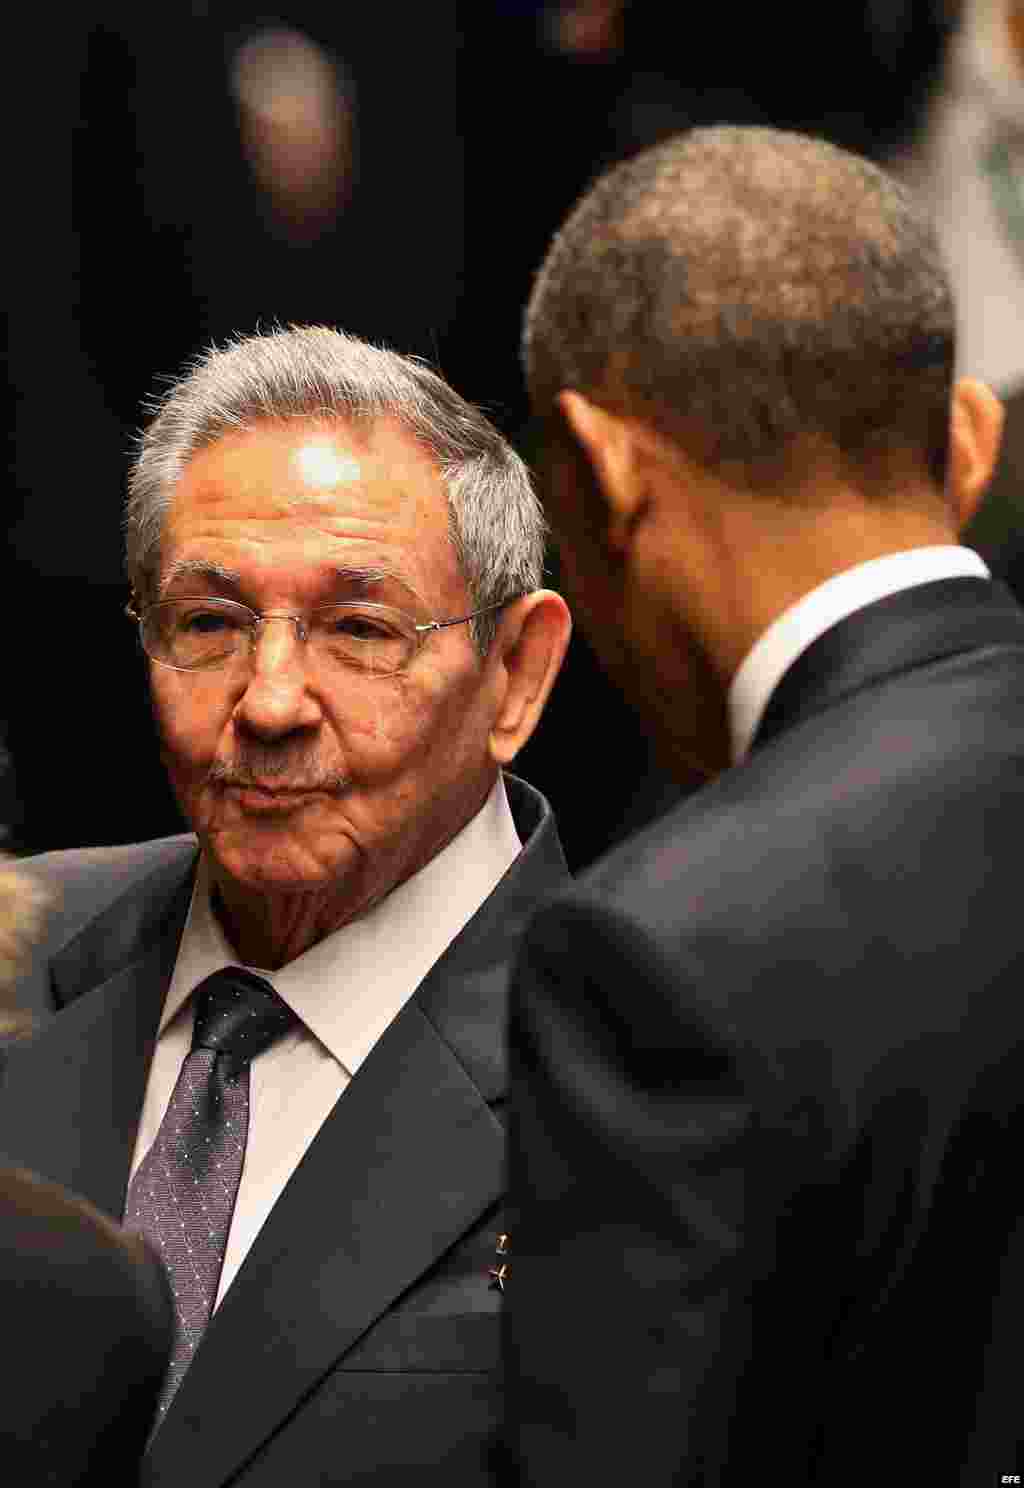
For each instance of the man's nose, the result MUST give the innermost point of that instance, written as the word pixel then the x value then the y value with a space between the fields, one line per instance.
pixel 277 697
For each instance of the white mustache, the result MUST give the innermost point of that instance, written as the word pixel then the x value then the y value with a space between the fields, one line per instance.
pixel 260 770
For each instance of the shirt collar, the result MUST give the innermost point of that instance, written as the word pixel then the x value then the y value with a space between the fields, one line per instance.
pixel 351 985
pixel 776 649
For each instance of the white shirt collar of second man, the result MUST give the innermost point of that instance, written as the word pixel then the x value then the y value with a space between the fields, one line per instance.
pixel 790 634
pixel 351 985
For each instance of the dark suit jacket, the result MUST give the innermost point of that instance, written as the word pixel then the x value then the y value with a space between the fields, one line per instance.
pixel 360 1339
pixel 768 1092
pixel 87 1322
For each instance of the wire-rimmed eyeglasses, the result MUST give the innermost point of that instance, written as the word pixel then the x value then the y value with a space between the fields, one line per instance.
pixel 202 634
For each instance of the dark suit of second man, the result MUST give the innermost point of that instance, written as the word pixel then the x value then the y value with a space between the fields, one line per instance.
pixel 769 1054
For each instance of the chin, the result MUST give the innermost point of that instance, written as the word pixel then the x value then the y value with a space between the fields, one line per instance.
pixel 282 862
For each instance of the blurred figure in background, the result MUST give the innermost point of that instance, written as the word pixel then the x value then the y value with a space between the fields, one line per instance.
pixel 966 160
pixel 296 108
pixel 22 902
pixel 768 1055
pixel 966 163
pixel 86 1308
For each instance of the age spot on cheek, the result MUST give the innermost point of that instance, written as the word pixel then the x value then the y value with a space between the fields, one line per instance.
pixel 379 720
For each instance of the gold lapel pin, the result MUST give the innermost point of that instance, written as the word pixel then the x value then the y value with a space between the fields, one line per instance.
pixel 499 1273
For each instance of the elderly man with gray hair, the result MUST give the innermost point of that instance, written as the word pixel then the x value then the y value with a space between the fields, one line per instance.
pixel 279 1046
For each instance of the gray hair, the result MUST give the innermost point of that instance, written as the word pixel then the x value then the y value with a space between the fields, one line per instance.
pixel 315 372
pixel 753 285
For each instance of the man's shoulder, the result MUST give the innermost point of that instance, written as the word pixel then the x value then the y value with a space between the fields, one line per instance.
pixel 83 882
pixel 66 1268
pixel 660 870
pixel 912 761
pixel 103 872
pixel 38 1218
pixel 123 861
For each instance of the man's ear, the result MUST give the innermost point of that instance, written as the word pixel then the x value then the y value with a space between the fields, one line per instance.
pixel 609 443
pixel 530 644
pixel 975 434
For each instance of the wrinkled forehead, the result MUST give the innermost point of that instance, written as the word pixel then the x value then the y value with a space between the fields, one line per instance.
pixel 311 497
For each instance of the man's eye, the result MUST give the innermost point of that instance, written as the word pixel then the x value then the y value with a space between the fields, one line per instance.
pixel 206 622
pixel 356 627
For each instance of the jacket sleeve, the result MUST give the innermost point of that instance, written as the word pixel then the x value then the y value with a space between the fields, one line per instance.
pixel 636 1151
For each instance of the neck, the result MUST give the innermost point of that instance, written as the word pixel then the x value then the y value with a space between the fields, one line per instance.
pixel 268 931
pixel 775 567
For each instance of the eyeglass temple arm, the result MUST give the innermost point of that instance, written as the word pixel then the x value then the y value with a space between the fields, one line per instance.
pixel 444 624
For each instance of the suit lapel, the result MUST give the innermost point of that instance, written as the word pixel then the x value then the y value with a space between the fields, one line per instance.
pixel 92 1061
pixel 409 1159
pixel 909 629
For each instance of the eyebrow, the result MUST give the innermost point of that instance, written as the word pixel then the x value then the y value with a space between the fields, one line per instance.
pixel 199 568
pixel 362 579
pixel 358 579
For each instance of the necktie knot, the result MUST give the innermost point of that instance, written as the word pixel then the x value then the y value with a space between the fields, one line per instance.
pixel 238 1015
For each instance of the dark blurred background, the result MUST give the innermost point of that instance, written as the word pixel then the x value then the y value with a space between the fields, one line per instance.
pixel 178 172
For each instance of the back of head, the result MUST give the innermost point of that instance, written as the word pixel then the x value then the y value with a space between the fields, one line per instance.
pixel 748 289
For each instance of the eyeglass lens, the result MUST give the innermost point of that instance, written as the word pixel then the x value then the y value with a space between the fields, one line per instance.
pixel 195 635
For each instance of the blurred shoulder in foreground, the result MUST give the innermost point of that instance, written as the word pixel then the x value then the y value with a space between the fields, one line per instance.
pixel 89 1309
pixel 86 1307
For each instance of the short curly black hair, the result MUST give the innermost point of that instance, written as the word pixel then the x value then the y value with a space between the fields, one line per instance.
pixel 755 285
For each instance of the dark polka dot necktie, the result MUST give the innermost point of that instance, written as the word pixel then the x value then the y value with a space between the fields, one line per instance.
pixel 183 1192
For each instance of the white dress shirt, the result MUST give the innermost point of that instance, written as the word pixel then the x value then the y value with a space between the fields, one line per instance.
pixel 776 649
pixel 345 990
